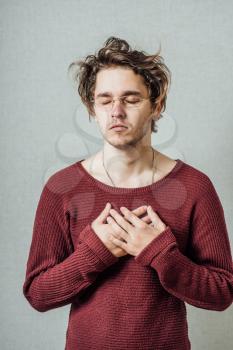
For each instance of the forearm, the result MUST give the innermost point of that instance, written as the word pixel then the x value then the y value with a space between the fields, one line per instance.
pixel 203 286
pixel 50 285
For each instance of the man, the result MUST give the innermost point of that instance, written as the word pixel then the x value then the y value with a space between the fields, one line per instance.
pixel 128 235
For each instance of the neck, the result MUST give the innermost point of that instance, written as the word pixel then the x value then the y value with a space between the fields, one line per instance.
pixel 129 162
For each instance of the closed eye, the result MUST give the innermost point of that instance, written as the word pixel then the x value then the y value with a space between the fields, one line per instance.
pixel 132 100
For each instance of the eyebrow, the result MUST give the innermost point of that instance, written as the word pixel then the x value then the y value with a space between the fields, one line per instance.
pixel 125 93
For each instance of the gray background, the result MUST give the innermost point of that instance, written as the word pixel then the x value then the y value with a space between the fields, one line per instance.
pixel 42 125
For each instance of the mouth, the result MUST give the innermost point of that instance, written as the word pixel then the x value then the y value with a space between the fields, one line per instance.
pixel 118 126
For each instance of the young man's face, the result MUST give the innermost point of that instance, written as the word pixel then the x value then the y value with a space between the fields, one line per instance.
pixel 115 81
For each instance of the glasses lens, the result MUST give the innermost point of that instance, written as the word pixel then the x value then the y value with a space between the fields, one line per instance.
pixel 132 101
pixel 128 102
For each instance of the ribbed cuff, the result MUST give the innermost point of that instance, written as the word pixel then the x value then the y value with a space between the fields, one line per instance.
pixel 89 237
pixel 156 246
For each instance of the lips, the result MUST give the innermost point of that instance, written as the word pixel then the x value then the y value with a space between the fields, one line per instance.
pixel 116 125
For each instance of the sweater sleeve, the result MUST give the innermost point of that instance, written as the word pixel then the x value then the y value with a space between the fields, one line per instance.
pixel 203 278
pixel 56 272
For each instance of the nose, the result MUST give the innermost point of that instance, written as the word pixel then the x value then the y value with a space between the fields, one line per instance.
pixel 117 110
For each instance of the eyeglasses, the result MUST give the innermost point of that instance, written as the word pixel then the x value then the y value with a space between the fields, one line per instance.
pixel 129 102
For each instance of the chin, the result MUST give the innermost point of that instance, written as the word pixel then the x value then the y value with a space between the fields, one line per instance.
pixel 123 143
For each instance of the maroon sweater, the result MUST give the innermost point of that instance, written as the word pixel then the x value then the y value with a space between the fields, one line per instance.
pixel 129 302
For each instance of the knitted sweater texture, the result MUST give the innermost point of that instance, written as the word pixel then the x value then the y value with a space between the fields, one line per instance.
pixel 130 302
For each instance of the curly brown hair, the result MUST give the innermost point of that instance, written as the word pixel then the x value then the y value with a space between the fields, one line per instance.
pixel 117 52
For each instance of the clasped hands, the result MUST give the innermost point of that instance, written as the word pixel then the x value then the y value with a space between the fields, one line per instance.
pixel 131 233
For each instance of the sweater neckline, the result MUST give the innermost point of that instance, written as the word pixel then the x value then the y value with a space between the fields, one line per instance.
pixel 142 189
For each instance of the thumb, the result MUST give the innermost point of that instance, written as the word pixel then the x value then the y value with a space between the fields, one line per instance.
pixel 104 214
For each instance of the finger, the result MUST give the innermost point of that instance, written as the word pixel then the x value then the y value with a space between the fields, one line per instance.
pixel 146 219
pixel 140 210
pixel 113 223
pixel 157 222
pixel 116 233
pixel 152 214
pixel 119 243
pixel 105 212
pixel 131 217
pixel 120 220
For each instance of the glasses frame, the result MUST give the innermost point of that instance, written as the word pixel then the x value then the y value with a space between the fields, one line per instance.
pixel 120 98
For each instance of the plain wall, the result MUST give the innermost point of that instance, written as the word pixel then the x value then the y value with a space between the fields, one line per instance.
pixel 44 127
